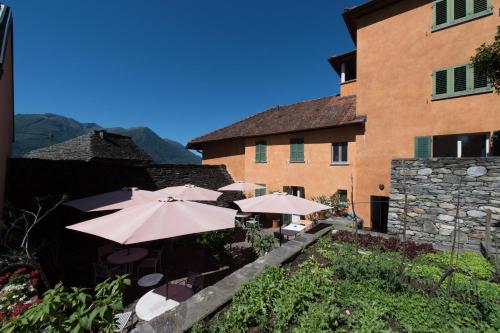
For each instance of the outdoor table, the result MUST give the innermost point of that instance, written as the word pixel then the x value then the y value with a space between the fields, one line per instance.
pixel 154 303
pixel 150 280
pixel 292 229
pixel 127 256
pixel 241 216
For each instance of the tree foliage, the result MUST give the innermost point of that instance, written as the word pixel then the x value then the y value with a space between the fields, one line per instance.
pixel 487 61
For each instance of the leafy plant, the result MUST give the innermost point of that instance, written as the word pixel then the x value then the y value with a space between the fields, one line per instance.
pixel 73 310
pixel 487 61
pixel 214 241
pixel 260 243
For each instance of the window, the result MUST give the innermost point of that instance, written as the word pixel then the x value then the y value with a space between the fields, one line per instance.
pixel 454 145
pixel 339 152
pixel 261 152
pixel 260 191
pixel 450 12
pixel 342 195
pixel 297 150
pixel 458 81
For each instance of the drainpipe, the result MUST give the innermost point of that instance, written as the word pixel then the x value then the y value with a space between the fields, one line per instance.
pixel 342 72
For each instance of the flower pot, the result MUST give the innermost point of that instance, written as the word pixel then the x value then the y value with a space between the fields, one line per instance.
pixel 276 223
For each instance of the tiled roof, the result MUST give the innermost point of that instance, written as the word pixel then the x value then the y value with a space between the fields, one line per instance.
pixel 325 112
pixel 94 145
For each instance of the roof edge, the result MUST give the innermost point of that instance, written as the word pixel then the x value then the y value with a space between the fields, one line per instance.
pixel 361 119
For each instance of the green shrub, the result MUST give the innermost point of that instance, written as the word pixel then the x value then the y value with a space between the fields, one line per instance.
pixel 73 310
pixel 470 263
pixel 214 241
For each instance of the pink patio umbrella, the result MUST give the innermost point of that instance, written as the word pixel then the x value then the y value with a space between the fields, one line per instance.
pixel 158 219
pixel 124 198
pixel 190 192
pixel 241 187
pixel 280 203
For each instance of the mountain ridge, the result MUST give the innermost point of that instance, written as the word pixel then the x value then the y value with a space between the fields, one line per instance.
pixel 33 131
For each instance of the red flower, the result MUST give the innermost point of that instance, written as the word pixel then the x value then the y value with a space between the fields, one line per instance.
pixel 34 273
pixel 34 282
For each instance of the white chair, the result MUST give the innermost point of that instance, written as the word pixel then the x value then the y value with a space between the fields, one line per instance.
pixel 254 220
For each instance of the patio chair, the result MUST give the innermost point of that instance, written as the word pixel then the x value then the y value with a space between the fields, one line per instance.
pixel 103 272
pixel 153 262
pixel 194 281
pixel 121 320
pixel 255 219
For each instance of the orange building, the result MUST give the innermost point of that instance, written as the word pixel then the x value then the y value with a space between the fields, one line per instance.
pixel 406 91
pixel 6 94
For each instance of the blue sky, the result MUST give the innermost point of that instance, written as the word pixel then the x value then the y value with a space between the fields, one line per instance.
pixel 182 68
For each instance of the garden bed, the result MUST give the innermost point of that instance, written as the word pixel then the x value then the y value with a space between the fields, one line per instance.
pixel 342 285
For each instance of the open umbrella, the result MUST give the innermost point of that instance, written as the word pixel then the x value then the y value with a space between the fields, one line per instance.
pixel 280 203
pixel 241 187
pixel 159 219
pixel 190 192
pixel 124 198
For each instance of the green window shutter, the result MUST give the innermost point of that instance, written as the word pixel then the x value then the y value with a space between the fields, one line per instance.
pixel 441 82
pixel 480 6
pixel 261 151
pixel 480 80
pixel 300 150
pixel 459 9
pixel 423 146
pixel 260 191
pixel 460 78
pixel 297 150
pixel 440 12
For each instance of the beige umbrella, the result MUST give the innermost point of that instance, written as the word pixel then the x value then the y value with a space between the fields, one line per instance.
pixel 241 187
pixel 124 198
pixel 190 192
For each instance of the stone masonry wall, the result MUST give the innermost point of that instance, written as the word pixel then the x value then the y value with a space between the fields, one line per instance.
pixel 432 187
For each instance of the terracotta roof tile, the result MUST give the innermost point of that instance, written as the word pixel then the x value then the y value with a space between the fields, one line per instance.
pixel 325 112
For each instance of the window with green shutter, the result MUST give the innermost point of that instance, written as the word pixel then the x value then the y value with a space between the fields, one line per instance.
pixel 297 150
pixel 260 191
pixel 423 146
pixel 451 12
pixel 461 80
pixel 261 152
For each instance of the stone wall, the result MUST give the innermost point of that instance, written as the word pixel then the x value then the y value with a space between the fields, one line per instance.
pixel 29 178
pixel 432 187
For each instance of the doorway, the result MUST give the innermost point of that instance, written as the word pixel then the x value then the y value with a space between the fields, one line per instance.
pixel 379 213
pixel 297 191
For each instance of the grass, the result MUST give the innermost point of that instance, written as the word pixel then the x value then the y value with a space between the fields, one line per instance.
pixel 332 288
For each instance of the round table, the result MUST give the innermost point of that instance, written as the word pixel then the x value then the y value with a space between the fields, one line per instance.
pixel 150 280
pixel 127 256
pixel 154 303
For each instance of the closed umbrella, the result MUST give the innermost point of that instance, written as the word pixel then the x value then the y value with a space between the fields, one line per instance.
pixel 190 192
pixel 280 203
pixel 241 187
pixel 124 198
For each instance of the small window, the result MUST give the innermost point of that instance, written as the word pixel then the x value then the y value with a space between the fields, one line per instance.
pixel 261 152
pixel 260 191
pixel 339 152
pixel 458 81
pixel 297 150
pixel 342 194
pixel 423 146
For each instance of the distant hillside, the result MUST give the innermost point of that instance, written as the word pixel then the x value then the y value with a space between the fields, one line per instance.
pixel 33 131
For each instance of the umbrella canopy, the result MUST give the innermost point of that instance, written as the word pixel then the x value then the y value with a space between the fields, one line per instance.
pixel 241 187
pixel 159 219
pixel 190 192
pixel 124 198
pixel 280 203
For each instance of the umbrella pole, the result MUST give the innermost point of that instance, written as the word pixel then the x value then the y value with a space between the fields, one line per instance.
pixel 281 236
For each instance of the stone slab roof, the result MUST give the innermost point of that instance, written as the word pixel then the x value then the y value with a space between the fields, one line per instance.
pixel 325 112
pixel 91 146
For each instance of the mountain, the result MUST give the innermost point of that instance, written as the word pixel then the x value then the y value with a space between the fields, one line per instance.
pixel 33 131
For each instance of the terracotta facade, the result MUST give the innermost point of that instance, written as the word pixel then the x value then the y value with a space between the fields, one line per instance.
pixel 397 52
